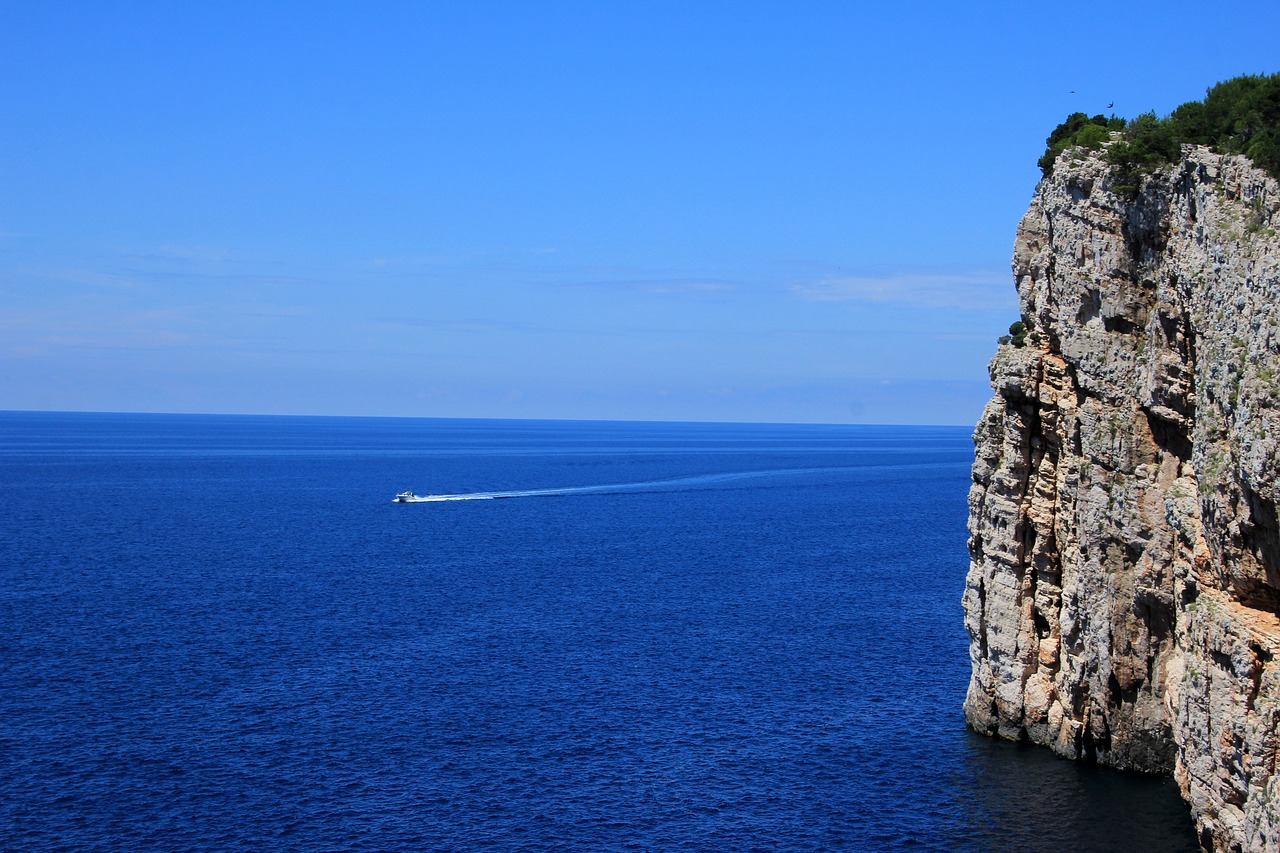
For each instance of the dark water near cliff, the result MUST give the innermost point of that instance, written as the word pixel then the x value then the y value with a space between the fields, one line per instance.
pixel 218 633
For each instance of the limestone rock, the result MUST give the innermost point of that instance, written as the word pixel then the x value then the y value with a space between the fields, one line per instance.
pixel 1123 596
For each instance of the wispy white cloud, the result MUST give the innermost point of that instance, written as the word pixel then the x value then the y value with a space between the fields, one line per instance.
pixel 85 277
pixel 660 285
pixel 180 254
pixel 680 286
pixel 141 278
pixel 464 256
pixel 153 339
pixel 467 326
pixel 491 327
pixel 978 292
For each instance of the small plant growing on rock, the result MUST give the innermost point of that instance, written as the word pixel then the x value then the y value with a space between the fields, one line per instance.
pixel 1256 216
pixel 1018 333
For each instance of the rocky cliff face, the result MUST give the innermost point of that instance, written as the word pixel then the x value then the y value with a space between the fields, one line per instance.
pixel 1123 598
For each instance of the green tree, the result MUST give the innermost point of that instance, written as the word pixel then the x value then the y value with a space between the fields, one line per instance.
pixel 1237 116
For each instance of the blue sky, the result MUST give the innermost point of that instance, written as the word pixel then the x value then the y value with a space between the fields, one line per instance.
pixel 738 211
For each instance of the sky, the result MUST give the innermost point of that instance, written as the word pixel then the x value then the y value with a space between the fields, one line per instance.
pixel 696 211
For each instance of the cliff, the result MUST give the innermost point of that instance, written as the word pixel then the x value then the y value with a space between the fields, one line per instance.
pixel 1123 597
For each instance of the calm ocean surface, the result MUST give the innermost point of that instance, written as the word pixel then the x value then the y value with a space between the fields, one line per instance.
pixel 219 634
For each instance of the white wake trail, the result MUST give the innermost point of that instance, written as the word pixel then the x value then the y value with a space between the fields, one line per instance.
pixel 619 488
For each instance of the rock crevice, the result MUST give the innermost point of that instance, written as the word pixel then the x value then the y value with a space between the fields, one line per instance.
pixel 1123 598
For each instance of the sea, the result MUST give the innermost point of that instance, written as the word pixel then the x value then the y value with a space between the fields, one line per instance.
pixel 220 633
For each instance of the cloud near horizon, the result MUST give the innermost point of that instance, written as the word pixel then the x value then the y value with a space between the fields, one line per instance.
pixel 975 292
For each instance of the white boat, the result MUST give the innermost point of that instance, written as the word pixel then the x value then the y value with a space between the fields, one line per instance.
pixel 405 497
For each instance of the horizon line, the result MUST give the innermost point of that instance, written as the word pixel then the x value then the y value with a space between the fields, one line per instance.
pixel 471 418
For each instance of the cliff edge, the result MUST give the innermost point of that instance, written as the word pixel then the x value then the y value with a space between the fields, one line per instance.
pixel 1123 599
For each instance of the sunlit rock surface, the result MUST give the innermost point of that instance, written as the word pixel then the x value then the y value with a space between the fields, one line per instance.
pixel 1123 594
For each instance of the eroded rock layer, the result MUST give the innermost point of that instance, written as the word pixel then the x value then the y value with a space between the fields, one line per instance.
pixel 1124 588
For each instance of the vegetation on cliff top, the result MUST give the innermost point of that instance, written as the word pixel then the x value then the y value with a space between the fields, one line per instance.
pixel 1237 116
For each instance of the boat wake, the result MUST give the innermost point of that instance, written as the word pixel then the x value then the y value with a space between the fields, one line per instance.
pixel 615 488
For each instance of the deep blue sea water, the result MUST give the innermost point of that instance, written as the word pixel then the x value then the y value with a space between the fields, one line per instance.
pixel 219 634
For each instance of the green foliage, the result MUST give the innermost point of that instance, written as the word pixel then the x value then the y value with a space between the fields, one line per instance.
pixel 1066 135
pixel 1237 116
pixel 1017 333
pixel 1092 136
